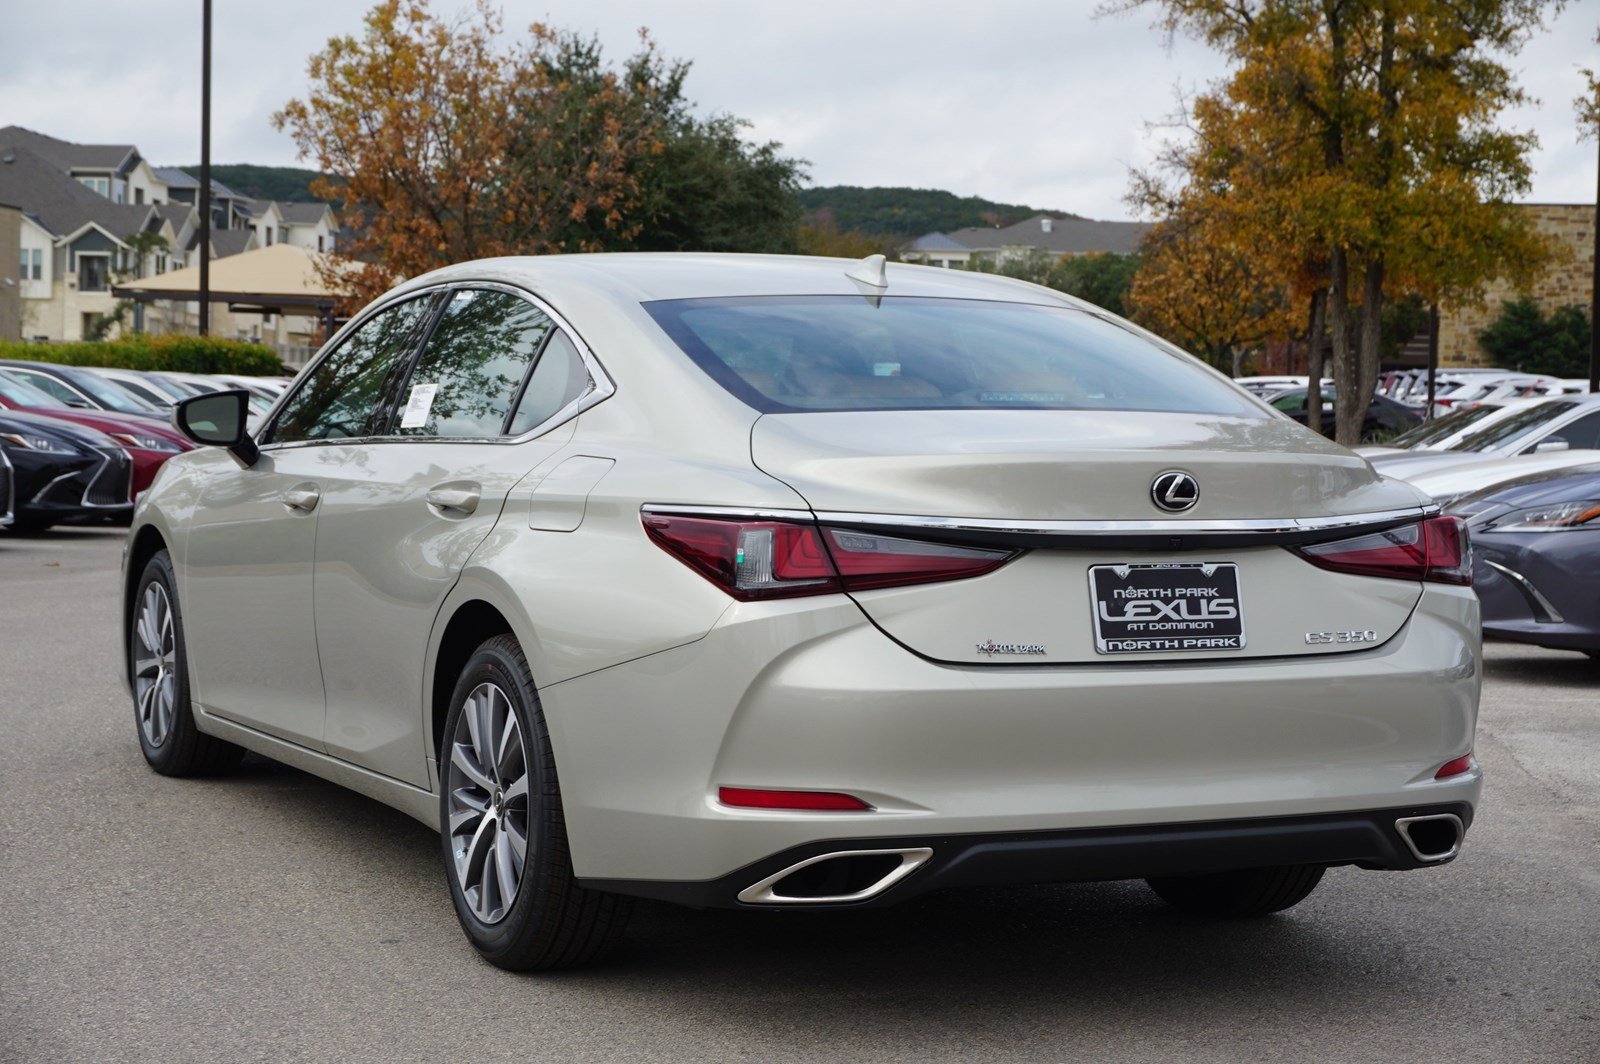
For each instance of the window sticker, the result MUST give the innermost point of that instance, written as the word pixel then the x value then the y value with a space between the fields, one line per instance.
pixel 418 405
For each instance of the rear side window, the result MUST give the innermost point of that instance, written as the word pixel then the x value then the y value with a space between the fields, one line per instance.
pixel 342 395
pixel 558 379
pixel 1583 434
pixel 806 353
pixel 469 374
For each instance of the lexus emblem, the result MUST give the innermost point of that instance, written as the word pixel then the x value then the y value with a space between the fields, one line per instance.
pixel 1174 491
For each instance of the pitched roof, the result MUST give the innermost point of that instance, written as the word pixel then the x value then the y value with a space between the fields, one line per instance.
pixel 176 213
pixel 303 213
pixel 227 242
pixel 935 242
pixel 65 155
pixel 175 178
pixel 1072 236
pixel 59 202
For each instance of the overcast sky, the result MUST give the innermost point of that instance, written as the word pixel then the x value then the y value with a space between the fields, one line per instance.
pixel 1024 101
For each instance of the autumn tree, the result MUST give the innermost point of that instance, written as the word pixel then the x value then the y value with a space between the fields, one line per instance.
pixel 446 140
pixel 1363 131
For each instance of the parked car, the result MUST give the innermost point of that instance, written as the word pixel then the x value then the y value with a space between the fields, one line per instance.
pixel 1536 558
pixel 148 443
pixel 1263 385
pixel 820 600
pixel 1446 486
pixel 1385 417
pixel 79 387
pixel 1568 422
pixel 63 473
pixel 142 385
pixel 1445 430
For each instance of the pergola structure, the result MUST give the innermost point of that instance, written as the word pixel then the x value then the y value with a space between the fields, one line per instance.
pixel 280 279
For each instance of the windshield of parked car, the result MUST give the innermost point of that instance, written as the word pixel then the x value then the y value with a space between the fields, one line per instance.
pixel 811 353
pixel 109 395
pixel 1441 427
pixel 16 390
pixel 1510 430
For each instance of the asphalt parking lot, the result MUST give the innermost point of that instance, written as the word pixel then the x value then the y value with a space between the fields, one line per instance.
pixel 271 916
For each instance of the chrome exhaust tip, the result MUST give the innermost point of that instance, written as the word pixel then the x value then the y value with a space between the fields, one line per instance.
pixel 1432 838
pixel 834 878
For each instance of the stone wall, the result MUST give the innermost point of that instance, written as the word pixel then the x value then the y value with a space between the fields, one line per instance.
pixel 1569 281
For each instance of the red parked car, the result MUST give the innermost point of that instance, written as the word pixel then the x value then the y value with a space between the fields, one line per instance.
pixel 147 441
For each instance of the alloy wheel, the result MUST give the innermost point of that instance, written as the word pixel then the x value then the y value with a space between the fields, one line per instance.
pixel 488 804
pixel 155 665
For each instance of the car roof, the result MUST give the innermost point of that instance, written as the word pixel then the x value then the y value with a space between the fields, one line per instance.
pixel 643 277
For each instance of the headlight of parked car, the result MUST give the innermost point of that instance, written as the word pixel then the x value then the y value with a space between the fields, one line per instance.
pixel 34 443
pixel 1554 517
pixel 145 443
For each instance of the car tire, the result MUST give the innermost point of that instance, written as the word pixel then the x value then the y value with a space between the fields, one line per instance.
pixel 159 675
pixel 1251 892
pixel 498 785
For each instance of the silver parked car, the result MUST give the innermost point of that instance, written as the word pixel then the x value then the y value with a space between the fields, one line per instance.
pixel 772 582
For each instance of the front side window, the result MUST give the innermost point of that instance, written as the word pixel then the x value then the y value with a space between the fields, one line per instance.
pixel 786 354
pixel 473 366
pixel 341 397
pixel 1582 434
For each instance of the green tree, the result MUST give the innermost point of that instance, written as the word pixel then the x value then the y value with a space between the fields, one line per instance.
pixel 1523 337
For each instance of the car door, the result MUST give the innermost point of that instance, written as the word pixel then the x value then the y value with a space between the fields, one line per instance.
pixel 248 590
pixel 480 409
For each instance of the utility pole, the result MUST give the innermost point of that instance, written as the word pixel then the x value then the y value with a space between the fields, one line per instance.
pixel 205 167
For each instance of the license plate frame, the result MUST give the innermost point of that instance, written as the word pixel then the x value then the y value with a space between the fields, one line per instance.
pixel 1188 612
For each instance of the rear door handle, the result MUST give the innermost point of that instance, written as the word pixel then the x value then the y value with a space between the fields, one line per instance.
pixel 303 500
pixel 460 500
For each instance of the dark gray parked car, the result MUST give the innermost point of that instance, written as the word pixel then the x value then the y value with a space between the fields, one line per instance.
pixel 1536 558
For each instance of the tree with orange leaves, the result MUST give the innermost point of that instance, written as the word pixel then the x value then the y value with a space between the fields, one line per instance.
pixel 442 144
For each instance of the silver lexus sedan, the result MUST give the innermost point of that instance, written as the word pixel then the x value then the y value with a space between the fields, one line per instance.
pixel 781 583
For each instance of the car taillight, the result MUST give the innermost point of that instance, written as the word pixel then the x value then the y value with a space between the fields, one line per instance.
pixel 1436 550
pixel 756 559
pixel 1455 767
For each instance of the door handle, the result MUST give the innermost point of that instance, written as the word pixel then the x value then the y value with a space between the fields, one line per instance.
pixel 303 500
pixel 455 500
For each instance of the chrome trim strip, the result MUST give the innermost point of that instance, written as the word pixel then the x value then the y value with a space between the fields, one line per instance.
pixel 763 514
pixel 1123 527
pixel 8 502
pixel 1159 527
pixel 762 892
pixel 1540 604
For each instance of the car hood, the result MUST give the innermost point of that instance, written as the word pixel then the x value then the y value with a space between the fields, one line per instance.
pixel 1461 479
pixel 1064 465
pixel 109 421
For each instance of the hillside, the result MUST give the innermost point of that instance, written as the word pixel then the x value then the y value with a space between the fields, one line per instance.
pixel 911 212
pixel 291 183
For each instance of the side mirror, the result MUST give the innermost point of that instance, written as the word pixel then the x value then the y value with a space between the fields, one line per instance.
pixel 218 419
pixel 1551 443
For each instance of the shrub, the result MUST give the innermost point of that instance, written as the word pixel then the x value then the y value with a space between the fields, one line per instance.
pixel 174 352
pixel 1524 338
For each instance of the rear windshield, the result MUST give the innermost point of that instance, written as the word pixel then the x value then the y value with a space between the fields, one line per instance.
pixel 784 354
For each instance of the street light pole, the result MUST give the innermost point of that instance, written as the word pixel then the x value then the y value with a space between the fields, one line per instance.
pixel 205 167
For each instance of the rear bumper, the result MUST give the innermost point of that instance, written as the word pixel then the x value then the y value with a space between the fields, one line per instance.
pixel 809 695
pixel 1366 838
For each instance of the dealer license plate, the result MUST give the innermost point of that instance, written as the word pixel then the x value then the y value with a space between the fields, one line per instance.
pixel 1165 607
